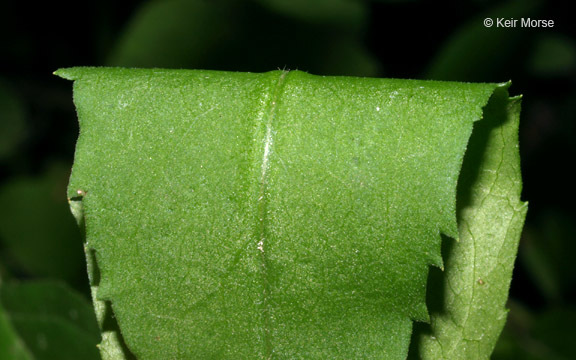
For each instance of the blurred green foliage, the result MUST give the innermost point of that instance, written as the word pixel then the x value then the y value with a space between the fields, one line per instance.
pixel 394 38
pixel 12 126
pixel 47 320
pixel 247 36
pixel 39 236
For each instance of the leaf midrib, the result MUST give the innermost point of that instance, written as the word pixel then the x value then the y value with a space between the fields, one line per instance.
pixel 262 205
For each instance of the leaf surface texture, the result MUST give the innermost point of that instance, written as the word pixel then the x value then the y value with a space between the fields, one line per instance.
pixel 274 215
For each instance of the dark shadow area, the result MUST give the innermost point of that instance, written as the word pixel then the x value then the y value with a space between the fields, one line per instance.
pixel 94 274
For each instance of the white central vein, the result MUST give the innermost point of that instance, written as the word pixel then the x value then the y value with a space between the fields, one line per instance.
pixel 264 169
pixel 263 209
pixel 267 146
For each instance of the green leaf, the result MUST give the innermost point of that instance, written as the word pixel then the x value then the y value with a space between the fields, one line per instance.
pixel 545 335
pixel 321 11
pixel 547 256
pixel 37 233
pixel 554 55
pixel 275 215
pixel 171 33
pixel 46 320
pixel 476 52
pixel 229 34
pixel 11 347
pixel 468 299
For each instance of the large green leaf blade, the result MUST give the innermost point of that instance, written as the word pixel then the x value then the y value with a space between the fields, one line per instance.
pixel 238 215
pixel 357 209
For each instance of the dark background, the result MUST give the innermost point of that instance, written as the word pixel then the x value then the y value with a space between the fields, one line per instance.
pixel 400 39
